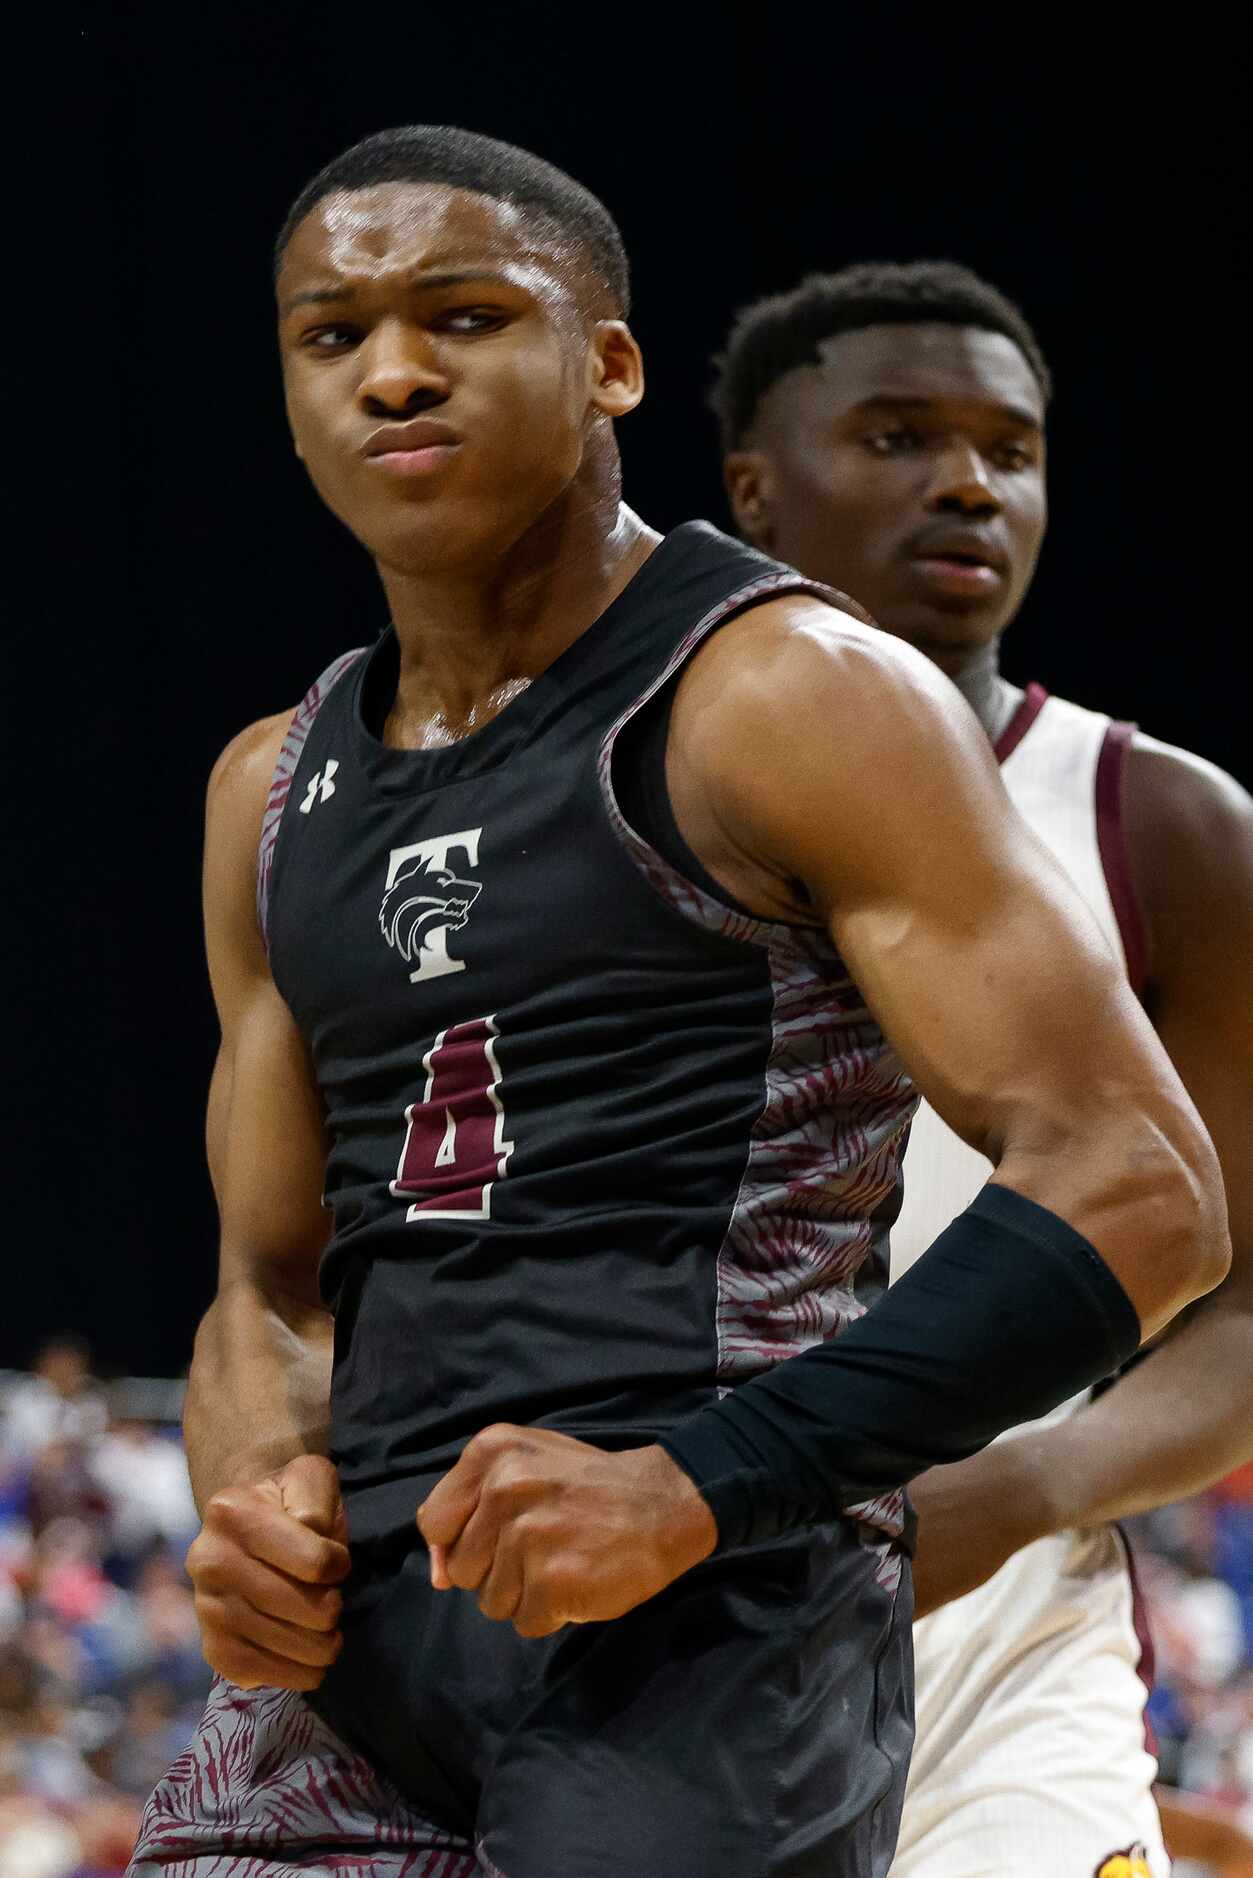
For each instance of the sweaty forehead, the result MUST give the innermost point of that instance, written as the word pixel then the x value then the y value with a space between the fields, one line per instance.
pixel 935 362
pixel 365 235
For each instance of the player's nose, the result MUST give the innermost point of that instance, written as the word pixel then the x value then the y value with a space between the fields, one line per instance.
pixel 961 483
pixel 403 371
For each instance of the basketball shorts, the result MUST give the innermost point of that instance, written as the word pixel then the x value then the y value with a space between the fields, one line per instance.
pixel 752 1721
pixel 1031 1754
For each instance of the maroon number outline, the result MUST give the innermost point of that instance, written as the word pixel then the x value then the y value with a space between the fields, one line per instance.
pixel 469 1106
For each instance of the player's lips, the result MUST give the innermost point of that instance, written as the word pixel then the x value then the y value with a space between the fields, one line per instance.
pixel 412 449
pixel 960 561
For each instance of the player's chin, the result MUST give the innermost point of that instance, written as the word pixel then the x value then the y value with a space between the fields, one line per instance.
pixel 953 625
pixel 458 528
pixel 984 612
pixel 421 538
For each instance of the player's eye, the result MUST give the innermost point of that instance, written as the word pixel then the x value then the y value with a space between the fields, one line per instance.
pixel 1014 456
pixel 893 440
pixel 328 338
pixel 470 319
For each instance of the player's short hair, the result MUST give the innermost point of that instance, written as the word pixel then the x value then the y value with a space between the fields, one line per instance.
pixel 440 153
pixel 776 335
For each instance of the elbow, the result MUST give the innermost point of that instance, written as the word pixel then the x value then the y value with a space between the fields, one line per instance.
pixel 1141 1181
pixel 1194 1224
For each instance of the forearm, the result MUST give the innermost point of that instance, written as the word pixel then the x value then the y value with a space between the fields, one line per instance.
pixel 258 1393
pixel 1177 1422
pixel 1008 1314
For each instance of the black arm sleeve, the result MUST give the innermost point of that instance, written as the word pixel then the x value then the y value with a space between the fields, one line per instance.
pixel 1010 1312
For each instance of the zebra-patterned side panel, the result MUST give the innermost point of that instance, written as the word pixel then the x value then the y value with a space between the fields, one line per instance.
pixel 806 1249
pixel 285 769
pixel 267 1790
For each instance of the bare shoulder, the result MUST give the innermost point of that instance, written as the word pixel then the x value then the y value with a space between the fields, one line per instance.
pixel 809 752
pixel 1185 816
pixel 1189 829
pixel 241 777
pixel 1185 792
pixel 238 787
pixel 824 672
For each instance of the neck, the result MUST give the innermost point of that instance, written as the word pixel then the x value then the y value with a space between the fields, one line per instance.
pixel 992 698
pixel 471 638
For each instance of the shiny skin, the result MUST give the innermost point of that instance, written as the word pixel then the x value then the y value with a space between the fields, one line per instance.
pixel 402 300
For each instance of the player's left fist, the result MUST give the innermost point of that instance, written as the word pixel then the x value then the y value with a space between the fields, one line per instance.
pixel 548 1531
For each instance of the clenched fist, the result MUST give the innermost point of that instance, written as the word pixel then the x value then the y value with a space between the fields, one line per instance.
pixel 265 1568
pixel 550 1531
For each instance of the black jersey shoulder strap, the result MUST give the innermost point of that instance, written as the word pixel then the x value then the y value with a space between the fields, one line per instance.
pixel 285 772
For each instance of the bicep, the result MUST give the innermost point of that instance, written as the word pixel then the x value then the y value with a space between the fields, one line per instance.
pixel 972 949
pixel 271 1154
pixel 992 979
pixel 265 1130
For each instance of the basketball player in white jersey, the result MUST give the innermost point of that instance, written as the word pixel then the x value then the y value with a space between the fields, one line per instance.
pixel 884 431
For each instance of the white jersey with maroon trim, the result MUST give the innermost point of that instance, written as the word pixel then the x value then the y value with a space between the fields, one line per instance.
pixel 1031 1752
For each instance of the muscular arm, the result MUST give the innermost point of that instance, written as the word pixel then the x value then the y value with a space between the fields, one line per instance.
pixel 1183 1417
pixel 825 774
pixel 888 824
pixel 259 1386
pixel 256 1418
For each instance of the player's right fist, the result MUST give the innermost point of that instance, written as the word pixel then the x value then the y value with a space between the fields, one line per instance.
pixel 265 1569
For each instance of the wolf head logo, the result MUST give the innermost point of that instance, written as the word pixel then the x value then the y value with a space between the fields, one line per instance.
pixel 424 899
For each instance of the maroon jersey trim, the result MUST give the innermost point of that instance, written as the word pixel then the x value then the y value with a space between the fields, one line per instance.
pixel 1146 1665
pixel 284 775
pixel 1115 859
pixel 1033 701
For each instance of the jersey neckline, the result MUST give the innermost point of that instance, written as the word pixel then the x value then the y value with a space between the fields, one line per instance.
pixel 416 771
pixel 1029 706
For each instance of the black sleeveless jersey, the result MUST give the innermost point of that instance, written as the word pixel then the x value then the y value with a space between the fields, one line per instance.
pixel 601 1144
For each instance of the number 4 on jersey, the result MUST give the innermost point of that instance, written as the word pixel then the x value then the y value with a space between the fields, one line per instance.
pixel 455 1147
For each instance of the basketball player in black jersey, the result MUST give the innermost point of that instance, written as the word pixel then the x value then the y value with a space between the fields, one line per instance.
pixel 884 429
pixel 622 1589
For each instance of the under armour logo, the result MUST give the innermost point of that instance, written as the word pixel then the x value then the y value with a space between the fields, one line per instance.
pixel 321 786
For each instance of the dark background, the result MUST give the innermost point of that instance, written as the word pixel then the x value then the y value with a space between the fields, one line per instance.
pixel 186 581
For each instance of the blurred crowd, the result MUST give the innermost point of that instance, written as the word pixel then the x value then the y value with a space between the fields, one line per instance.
pixel 102 1682
pixel 1195 1562
pixel 101 1677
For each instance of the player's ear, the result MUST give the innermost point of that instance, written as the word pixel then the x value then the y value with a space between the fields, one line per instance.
pixel 616 369
pixel 749 479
